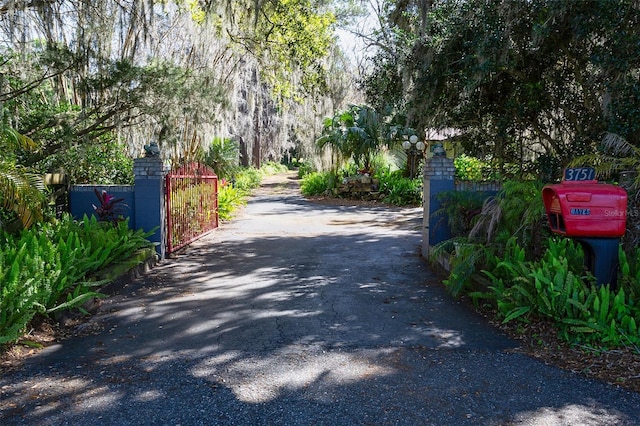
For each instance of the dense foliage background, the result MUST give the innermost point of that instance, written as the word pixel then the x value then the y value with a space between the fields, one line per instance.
pixel 78 74
pixel 533 84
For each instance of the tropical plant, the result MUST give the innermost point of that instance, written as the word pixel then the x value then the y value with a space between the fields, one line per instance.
pixel 223 157
pixel 467 260
pixel 516 210
pixel 110 208
pixel 549 287
pixel 459 209
pixel 399 190
pixel 21 192
pixel 229 199
pixel 354 134
pixel 52 267
pixel 618 160
pixel 556 288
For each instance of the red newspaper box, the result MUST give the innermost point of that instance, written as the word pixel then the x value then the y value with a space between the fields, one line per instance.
pixel 585 208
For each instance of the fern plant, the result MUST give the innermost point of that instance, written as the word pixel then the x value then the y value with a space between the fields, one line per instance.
pixel 51 268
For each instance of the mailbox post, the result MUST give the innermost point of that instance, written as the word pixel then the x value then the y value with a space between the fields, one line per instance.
pixel 592 213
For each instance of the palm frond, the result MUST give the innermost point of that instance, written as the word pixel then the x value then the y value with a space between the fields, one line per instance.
pixel 11 139
pixel 618 146
pixel 20 192
pixel 617 155
pixel 488 220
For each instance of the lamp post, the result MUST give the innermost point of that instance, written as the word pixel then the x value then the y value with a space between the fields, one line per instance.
pixel 413 147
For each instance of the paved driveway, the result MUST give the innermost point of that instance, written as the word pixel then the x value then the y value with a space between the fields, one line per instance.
pixel 299 314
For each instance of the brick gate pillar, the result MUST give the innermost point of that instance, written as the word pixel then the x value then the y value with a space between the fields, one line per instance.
pixel 149 200
pixel 438 176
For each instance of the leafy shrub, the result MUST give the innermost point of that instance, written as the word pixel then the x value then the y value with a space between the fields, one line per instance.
pixel 247 179
pixel 471 169
pixel 465 260
pixel 304 169
pixel 49 268
pixel 629 276
pixel 317 183
pixel 399 190
pixel 537 276
pixel 557 288
pixel 229 199
pixel 223 157
pixel 516 210
pixel 394 188
pixel 105 163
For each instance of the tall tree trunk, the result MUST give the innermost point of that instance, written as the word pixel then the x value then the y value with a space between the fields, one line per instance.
pixel 256 135
pixel 244 154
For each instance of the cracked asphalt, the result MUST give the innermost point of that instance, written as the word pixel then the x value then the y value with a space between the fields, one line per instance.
pixel 297 313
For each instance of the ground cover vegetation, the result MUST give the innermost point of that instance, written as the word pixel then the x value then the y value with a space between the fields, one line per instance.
pixel 52 267
pixel 507 257
pixel 536 287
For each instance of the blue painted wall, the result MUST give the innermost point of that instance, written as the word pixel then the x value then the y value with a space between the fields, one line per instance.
pixel 438 226
pixel 82 198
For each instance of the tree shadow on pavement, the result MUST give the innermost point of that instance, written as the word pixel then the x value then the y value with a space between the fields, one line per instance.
pixel 336 320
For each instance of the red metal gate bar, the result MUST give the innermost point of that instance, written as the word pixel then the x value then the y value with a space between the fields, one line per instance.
pixel 192 204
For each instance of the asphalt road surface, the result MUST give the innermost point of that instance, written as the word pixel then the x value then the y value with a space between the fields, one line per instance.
pixel 297 313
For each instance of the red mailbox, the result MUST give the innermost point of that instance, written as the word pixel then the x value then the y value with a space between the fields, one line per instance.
pixel 586 208
pixel 592 213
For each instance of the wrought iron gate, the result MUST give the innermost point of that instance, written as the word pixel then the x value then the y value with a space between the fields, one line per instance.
pixel 192 204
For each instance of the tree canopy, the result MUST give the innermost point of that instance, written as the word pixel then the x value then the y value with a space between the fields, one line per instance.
pixel 181 72
pixel 93 82
pixel 518 80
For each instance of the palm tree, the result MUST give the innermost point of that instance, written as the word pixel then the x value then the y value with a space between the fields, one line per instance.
pixel 354 134
pixel 21 192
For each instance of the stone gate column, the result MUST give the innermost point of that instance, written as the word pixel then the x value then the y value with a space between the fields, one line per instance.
pixel 149 200
pixel 438 176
